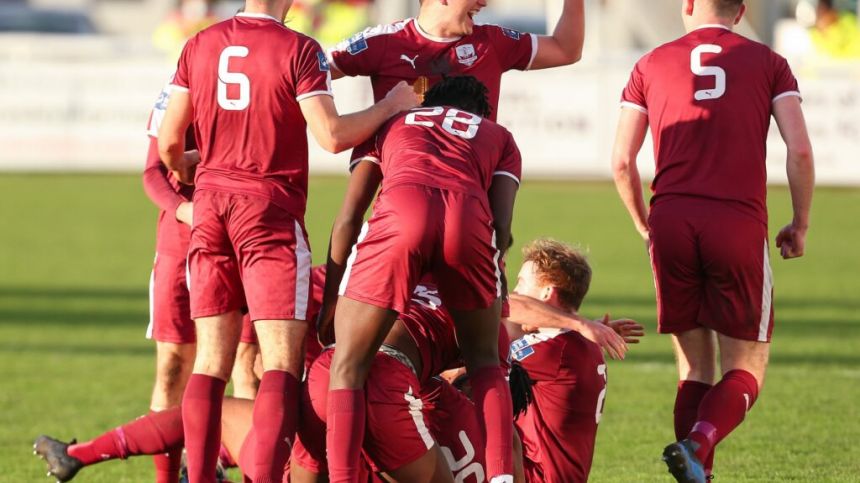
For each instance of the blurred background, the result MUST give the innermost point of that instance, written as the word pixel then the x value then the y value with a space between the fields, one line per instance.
pixel 78 77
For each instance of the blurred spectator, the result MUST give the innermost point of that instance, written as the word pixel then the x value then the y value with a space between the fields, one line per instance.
pixel 329 21
pixel 836 34
pixel 190 17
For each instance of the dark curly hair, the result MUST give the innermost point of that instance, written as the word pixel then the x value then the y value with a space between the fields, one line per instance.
pixel 463 92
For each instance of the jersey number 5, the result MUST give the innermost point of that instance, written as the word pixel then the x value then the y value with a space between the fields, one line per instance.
pixel 718 73
pixel 226 78
pixel 469 120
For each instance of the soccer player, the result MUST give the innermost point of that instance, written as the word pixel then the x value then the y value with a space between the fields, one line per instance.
pixel 248 84
pixel 451 177
pixel 708 98
pixel 559 428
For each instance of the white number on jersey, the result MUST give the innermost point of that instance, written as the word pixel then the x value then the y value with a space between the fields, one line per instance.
pixel 225 78
pixel 471 121
pixel 601 371
pixel 464 467
pixel 426 297
pixel 717 73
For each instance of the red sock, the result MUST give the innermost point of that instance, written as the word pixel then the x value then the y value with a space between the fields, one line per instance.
pixel 492 398
pixel 723 409
pixel 103 448
pixel 690 395
pixel 201 419
pixel 345 417
pixel 275 417
pixel 166 426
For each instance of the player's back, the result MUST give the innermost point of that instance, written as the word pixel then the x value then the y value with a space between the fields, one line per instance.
pixel 446 148
pixel 246 77
pixel 709 98
pixel 560 426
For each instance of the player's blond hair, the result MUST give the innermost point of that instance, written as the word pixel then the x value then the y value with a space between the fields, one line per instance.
pixel 561 266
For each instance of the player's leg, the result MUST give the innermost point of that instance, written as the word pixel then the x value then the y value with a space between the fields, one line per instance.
pixel 244 376
pixel 156 433
pixel 173 369
pixel 236 418
pixel 308 458
pixel 429 468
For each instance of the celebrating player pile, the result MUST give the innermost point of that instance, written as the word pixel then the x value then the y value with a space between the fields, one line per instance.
pixel 418 292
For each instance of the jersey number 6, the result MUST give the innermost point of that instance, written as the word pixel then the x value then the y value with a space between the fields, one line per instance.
pixel 700 70
pixel 225 78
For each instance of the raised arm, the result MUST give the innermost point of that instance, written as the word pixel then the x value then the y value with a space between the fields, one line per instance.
pixel 363 183
pixel 801 174
pixel 632 127
pixel 564 46
pixel 336 133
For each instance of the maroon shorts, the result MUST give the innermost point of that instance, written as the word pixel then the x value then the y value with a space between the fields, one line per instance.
pixel 169 312
pixel 247 251
pixel 416 230
pixel 397 432
pixel 711 269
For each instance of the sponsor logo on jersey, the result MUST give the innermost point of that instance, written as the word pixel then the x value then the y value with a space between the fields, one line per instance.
pixel 512 33
pixel 323 62
pixel 357 44
pixel 466 54
pixel 410 60
pixel 161 103
pixel 521 349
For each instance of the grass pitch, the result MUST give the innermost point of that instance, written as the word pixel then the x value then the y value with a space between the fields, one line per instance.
pixel 75 258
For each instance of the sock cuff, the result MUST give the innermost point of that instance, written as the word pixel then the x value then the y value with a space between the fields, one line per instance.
pixel 688 385
pixel 276 381
pixel 746 379
pixel 345 400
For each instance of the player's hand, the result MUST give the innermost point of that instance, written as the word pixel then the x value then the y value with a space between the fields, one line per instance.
pixel 325 326
pixel 791 241
pixel 628 329
pixel 605 336
pixel 185 212
pixel 402 97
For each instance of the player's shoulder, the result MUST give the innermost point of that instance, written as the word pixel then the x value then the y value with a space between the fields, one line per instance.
pixel 498 32
pixel 371 36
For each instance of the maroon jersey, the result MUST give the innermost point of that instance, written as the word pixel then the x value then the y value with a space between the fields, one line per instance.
pixel 163 189
pixel 709 97
pixel 560 426
pixel 246 77
pixel 402 51
pixel 446 148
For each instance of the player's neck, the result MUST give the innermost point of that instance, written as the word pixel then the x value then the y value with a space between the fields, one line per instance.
pixel 278 9
pixel 435 27
pixel 709 21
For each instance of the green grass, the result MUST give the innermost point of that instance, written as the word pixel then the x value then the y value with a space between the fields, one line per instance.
pixel 75 255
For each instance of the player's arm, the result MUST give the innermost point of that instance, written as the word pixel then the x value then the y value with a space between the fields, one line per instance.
pixel 171 137
pixel 363 183
pixel 502 194
pixel 632 127
pixel 336 133
pixel 564 46
pixel 158 188
pixel 801 174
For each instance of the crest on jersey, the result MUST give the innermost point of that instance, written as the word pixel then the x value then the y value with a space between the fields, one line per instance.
pixel 512 33
pixel 466 54
pixel 323 62
pixel 357 44
pixel 521 349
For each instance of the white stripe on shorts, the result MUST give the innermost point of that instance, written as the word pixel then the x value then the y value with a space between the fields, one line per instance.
pixel 766 296
pixel 415 410
pixel 352 256
pixel 496 263
pixel 303 273
pixel 151 326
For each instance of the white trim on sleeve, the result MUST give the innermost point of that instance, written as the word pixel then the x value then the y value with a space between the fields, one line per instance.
pixel 508 174
pixel 176 88
pixel 534 51
pixel 634 106
pixel 788 94
pixel 372 159
pixel 314 94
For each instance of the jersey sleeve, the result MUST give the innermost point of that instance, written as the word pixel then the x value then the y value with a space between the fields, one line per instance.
pixel 313 75
pixel 361 54
pixel 784 82
pixel 366 151
pixel 182 77
pixel 633 95
pixel 516 50
pixel 511 163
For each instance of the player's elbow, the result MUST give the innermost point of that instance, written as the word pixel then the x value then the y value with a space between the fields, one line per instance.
pixel 801 154
pixel 622 165
pixel 168 149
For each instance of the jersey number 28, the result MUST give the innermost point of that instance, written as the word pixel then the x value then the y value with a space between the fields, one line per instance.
pixel 718 73
pixel 469 120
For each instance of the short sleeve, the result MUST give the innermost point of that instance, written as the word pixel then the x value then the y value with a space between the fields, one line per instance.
pixel 511 163
pixel 516 50
pixel 784 82
pixel 313 75
pixel 182 77
pixel 361 54
pixel 366 151
pixel 633 95
pixel 158 110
